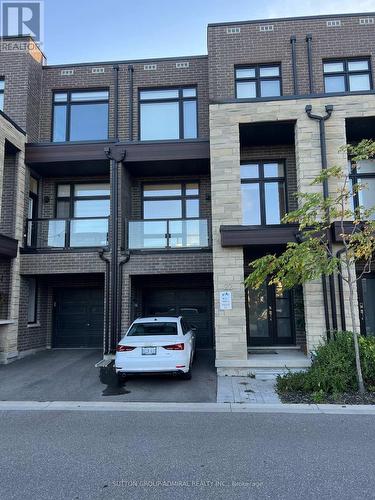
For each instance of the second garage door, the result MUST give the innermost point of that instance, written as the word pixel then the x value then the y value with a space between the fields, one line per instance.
pixel 193 304
pixel 79 315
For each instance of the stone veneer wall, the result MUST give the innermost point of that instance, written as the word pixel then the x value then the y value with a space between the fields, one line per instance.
pixel 230 325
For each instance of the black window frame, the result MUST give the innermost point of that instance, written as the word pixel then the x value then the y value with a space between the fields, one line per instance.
pixel 258 79
pixel 183 197
pixel 72 198
pixel 356 176
pixel 34 320
pixel 262 180
pixel 180 99
pixel 2 91
pixel 346 73
pixel 68 104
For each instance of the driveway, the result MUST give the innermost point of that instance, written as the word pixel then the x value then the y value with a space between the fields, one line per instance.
pixel 70 375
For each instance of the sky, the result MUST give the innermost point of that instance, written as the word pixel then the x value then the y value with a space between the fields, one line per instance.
pixel 105 30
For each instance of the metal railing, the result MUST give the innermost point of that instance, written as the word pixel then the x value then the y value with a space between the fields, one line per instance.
pixel 168 234
pixel 55 234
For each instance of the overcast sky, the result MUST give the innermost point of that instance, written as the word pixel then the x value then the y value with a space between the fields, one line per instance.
pixel 99 30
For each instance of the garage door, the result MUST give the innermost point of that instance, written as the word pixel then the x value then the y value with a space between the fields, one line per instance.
pixel 194 305
pixel 79 316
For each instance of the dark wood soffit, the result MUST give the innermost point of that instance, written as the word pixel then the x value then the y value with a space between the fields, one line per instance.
pixel 135 152
pixel 232 236
pixel 8 246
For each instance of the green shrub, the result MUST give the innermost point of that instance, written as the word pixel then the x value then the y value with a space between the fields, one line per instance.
pixel 333 370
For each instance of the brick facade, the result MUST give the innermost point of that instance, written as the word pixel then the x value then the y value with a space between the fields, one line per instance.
pixel 29 87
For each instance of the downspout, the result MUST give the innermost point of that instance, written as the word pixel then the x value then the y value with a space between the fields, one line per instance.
pixel 116 157
pixel 293 41
pixel 309 62
pixel 323 151
pixel 107 285
pixel 130 117
pixel 119 311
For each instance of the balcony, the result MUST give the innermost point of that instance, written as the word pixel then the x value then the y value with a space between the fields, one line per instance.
pixel 63 234
pixel 168 234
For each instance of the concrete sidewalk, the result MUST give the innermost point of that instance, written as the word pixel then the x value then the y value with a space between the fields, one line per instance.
pixel 94 406
pixel 246 390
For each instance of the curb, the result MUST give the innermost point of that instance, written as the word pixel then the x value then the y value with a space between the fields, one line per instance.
pixel 187 407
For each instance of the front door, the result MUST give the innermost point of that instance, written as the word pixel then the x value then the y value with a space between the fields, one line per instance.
pixel 193 304
pixel 269 316
pixel 367 304
pixel 78 315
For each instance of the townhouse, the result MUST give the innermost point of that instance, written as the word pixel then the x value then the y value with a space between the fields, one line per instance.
pixel 146 187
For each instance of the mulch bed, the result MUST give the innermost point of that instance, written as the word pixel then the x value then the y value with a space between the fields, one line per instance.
pixel 347 398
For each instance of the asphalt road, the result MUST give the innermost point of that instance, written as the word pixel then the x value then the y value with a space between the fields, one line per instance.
pixel 70 375
pixel 142 455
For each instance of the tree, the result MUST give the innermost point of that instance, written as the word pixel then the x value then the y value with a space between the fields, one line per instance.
pixel 313 255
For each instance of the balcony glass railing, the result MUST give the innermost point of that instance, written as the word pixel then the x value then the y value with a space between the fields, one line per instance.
pixel 168 234
pixel 66 233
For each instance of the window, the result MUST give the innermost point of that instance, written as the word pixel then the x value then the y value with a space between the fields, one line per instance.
pixel 32 209
pixel 32 302
pixel 258 81
pixel 154 328
pixel 80 116
pixel 86 206
pixel 2 83
pixel 263 193
pixel 171 201
pixel 168 114
pixel 347 75
pixel 83 200
pixel 364 175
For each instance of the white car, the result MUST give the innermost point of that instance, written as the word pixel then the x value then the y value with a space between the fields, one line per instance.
pixel 158 344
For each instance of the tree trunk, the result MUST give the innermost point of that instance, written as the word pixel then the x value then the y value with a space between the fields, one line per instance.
pixel 361 385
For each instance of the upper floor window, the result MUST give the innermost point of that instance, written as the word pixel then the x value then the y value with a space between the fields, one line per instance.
pixel 80 115
pixel 258 81
pixel 263 193
pixel 83 200
pixel 171 201
pixel 364 175
pixel 347 75
pixel 2 85
pixel 168 114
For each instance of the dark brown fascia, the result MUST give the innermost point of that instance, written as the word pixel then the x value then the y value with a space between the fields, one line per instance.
pixel 8 247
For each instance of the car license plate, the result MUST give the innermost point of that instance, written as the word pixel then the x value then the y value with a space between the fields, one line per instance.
pixel 147 351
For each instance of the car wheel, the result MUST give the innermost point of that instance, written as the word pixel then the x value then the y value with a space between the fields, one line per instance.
pixel 121 378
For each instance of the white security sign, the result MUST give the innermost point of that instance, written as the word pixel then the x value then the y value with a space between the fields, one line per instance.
pixel 225 300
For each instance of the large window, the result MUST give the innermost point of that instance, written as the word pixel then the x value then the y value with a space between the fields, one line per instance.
pixel 83 200
pixel 80 115
pixel 168 114
pixel 263 193
pixel 347 75
pixel 258 81
pixel 364 175
pixel 2 84
pixel 171 201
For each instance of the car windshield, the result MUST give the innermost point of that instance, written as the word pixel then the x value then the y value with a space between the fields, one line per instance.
pixel 140 329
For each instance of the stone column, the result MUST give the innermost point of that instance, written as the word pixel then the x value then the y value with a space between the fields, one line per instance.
pixel 228 264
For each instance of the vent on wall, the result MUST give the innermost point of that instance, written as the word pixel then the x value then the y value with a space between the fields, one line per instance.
pixel 149 67
pixel 182 65
pixel 67 72
pixel 366 20
pixel 233 30
pixel 334 23
pixel 96 71
pixel 266 27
